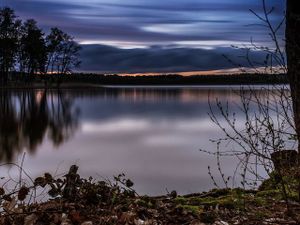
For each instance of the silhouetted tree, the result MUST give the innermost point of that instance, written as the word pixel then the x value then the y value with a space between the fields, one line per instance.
pixel 53 41
pixel 24 48
pixel 63 52
pixel 9 36
pixel 33 53
pixel 69 58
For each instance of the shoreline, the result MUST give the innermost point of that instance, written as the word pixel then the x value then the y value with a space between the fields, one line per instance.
pixel 72 200
pixel 74 81
pixel 99 86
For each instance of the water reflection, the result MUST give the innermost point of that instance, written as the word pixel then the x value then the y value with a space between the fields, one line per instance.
pixel 153 135
pixel 161 93
pixel 28 117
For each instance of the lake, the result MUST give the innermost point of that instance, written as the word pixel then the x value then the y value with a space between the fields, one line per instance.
pixel 152 134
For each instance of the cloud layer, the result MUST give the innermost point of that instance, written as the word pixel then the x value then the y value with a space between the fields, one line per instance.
pixel 101 58
pixel 192 27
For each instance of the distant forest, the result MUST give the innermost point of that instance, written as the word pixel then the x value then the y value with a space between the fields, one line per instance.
pixel 169 79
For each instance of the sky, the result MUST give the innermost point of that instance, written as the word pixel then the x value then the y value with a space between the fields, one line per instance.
pixel 132 36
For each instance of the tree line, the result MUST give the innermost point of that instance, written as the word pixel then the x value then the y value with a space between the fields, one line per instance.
pixel 169 79
pixel 26 50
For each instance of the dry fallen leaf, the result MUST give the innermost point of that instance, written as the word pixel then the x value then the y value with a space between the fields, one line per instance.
pixel 30 220
pixel 87 223
pixel 9 206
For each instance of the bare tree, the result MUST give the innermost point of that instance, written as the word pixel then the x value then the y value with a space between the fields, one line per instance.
pixel 63 52
pixel 271 120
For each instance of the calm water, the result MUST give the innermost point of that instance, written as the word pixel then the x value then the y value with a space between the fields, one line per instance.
pixel 153 135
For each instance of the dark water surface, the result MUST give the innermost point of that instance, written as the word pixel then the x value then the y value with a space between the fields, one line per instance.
pixel 153 135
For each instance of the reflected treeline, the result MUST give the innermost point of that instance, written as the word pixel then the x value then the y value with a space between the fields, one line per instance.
pixel 28 117
pixel 141 94
pixel 165 93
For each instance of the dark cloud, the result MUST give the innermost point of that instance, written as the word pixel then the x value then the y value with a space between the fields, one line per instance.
pixel 178 25
pixel 160 59
pixel 145 22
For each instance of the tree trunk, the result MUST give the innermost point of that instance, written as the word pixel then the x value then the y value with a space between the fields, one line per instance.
pixel 293 57
pixel 293 63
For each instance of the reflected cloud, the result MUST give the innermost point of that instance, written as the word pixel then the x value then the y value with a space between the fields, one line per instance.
pixel 141 125
pixel 119 126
